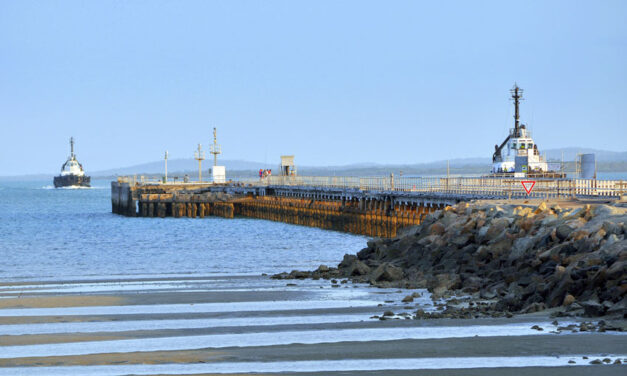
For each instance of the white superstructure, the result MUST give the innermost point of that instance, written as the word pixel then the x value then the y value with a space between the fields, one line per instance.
pixel 518 153
pixel 71 166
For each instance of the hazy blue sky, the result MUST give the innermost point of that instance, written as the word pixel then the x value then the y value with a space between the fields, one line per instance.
pixel 333 82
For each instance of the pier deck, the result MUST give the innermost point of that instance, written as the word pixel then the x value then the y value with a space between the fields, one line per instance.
pixel 374 206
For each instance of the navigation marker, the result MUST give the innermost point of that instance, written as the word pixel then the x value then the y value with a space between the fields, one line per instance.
pixel 528 185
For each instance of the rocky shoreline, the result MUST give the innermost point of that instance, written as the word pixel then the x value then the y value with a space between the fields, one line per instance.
pixel 481 259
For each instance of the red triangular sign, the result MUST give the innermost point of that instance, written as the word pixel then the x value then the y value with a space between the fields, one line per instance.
pixel 528 185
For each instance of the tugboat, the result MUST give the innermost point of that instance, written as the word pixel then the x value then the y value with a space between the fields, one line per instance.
pixel 72 173
pixel 518 155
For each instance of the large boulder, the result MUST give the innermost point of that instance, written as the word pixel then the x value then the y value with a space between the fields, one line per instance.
pixel 437 229
pixel 347 261
pixel 563 231
pixel 593 308
pixel 497 226
pixel 358 268
pixel 520 247
pixel 387 272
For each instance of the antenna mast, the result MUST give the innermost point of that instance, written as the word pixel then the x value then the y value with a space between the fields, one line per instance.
pixel 215 148
pixel 72 147
pixel 166 166
pixel 199 155
pixel 516 96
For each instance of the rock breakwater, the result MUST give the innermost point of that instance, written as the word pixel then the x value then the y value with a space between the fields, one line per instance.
pixel 516 258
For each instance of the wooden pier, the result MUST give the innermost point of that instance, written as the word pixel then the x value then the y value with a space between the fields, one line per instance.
pixel 376 207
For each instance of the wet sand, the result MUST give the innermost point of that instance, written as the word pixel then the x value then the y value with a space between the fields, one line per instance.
pixel 263 299
pixel 60 301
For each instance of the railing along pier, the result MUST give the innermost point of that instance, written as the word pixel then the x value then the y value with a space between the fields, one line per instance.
pixel 373 206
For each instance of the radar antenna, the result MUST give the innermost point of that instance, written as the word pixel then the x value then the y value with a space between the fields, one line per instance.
pixel 517 97
pixel 72 147
pixel 215 148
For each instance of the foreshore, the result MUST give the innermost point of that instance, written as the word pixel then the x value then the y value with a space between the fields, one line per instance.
pixel 243 324
pixel 502 258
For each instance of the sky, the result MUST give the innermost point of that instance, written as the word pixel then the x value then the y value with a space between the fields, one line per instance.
pixel 332 82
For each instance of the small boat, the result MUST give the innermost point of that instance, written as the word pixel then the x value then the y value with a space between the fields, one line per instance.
pixel 72 173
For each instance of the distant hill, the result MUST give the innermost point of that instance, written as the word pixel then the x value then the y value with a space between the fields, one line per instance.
pixel 177 165
pixel 570 154
pixel 607 161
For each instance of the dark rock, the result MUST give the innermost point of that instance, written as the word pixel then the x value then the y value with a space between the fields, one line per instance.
pixel 299 274
pixel 437 229
pixel 510 302
pixel 347 261
pixel 322 269
pixel 461 240
pixel 592 308
pixel 563 231
pixel 534 307
pixel 358 268
pixel 281 276
pixel 619 308
pixel 387 272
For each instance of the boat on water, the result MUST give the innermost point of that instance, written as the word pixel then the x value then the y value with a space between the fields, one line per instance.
pixel 72 172
pixel 518 155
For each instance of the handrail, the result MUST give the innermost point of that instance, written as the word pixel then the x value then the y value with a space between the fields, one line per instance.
pixel 490 187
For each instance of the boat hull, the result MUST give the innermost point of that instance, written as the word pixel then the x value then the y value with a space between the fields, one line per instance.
pixel 72 181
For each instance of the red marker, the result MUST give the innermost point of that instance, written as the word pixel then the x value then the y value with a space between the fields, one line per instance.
pixel 528 185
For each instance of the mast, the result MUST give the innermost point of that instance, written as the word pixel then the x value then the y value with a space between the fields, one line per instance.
pixel 199 155
pixel 215 148
pixel 72 147
pixel 516 96
pixel 165 180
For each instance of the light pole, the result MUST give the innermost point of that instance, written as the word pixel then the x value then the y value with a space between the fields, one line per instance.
pixel 199 155
pixel 165 180
pixel 215 149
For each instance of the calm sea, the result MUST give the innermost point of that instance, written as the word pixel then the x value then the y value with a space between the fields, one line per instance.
pixel 48 233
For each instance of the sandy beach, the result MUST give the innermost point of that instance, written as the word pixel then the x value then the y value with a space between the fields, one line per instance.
pixel 242 324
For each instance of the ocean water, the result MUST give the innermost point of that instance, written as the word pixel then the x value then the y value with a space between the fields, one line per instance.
pixel 48 233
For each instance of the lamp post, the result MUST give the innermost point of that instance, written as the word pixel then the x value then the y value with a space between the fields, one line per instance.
pixel 215 148
pixel 199 155
pixel 165 179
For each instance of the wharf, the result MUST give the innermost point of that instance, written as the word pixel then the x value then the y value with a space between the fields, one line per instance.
pixel 376 206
